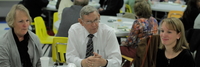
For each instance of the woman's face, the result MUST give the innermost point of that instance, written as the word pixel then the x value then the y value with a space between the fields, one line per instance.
pixel 168 37
pixel 21 23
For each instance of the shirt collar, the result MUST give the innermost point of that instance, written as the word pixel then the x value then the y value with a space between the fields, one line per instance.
pixel 86 33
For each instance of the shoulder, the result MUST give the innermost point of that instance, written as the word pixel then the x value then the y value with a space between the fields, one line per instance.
pixel 76 26
pixel 186 52
pixel 152 19
pixel 105 28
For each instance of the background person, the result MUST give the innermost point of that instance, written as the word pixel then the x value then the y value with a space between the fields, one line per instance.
pixel 191 12
pixel 102 41
pixel 19 47
pixel 35 6
pixel 144 26
pixel 70 16
pixel 62 5
pixel 110 7
pixel 174 49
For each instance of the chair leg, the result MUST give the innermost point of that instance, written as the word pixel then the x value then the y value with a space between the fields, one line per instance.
pixel 124 63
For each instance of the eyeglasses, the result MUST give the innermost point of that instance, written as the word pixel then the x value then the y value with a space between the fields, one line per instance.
pixel 90 22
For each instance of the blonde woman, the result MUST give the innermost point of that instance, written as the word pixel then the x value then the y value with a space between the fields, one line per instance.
pixel 174 49
pixel 19 47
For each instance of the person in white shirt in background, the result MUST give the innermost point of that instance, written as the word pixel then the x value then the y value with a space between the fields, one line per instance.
pixel 62 5
pixel 106 50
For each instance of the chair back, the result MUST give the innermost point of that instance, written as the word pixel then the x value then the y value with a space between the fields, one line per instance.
pixel 40 27
pixel 176 14
pixel 59 48
pixel 128 8
pixel 55 18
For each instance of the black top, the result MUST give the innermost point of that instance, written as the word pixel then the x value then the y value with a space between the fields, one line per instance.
pixel 35 6
pixel 112 7
pixel 23 49
pixel 184 59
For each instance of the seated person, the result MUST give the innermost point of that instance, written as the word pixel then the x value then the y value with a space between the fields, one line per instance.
pixel 144 26
pixel 62 5
pixel 92 44
pixel 35 6
pixel 110 7
pixel 174 49
pixel 191 12
pixel 19 47
pixel 70 16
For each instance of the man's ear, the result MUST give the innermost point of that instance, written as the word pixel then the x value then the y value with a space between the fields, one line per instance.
pixel 80 21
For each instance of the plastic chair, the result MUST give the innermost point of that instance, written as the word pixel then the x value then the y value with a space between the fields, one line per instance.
pixel 127 59
pixel 128 8
pixel 55 18
pixel 176 14
pixel 41 32
pixel 59 47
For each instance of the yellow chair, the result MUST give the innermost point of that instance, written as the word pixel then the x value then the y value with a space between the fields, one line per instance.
pixel 176 14
pixel 32 23
pixel 59 47
pixel 128 8
pixel 55 18
pixel 127 59
pixel 41 32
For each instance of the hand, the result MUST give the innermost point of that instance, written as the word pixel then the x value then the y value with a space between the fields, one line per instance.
pixel 96 60
pixel 88 62
pixel 100 9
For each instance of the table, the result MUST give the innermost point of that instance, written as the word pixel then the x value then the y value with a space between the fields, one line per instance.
pixel 166 7
pixel 50 9
pixel 51 64
pixel 122 29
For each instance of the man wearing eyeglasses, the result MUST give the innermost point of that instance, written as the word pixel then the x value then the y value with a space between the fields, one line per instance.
pixel 90 32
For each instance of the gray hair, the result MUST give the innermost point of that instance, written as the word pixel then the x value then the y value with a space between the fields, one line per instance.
pixel 86 10
pixel 81 2
pixel 10 18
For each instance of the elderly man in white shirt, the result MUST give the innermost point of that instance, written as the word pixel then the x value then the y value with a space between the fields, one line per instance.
pixel 105 51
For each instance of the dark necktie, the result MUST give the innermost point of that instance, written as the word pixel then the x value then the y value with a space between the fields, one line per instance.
pixel 89 51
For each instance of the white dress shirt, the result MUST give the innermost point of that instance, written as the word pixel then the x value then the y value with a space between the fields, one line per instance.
pixel 104 43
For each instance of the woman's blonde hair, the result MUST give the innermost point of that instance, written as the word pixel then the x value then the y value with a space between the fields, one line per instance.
pixel 176 25
pixel 10 18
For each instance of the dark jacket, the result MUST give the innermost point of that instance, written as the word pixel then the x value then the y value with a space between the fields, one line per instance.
pixel 113 7
pixel 146 53
pixel 193 39
pixel 35 6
